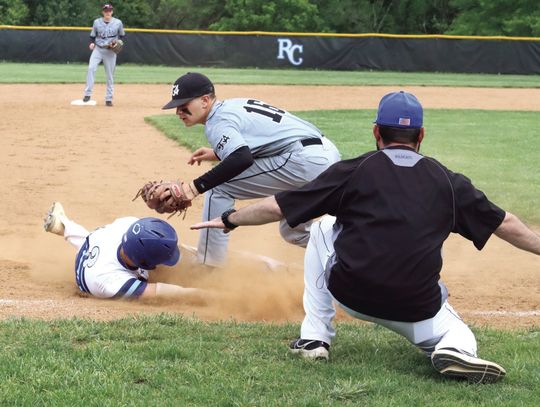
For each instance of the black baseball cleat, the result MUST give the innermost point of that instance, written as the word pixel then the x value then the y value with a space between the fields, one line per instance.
pixel 86 99
pixel 108 103
pixel 310 349
pixel 451 362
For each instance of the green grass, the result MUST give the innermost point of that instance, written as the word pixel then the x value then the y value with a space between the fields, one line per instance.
pixel 171 361
pixel 498 150
pixel 128 73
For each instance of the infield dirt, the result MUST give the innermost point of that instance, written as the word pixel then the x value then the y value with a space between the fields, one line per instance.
pixel 93 159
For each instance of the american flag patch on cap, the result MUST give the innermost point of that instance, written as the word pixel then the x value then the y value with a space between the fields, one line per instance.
pixel 404 121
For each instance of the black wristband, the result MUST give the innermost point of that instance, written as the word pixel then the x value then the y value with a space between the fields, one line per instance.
pixel 225 219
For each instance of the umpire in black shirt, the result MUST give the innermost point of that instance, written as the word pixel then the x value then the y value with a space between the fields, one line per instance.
pixel 379 253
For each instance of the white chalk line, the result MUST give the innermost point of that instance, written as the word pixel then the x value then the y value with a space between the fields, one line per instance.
pixel 23 303
pixel 510 314
pixel 524 314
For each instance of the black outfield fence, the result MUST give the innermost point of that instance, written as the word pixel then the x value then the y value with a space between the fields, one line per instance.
pixel 408 53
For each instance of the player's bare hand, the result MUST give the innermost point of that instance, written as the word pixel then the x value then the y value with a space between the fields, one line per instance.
pixel 211 224
pixel 202 154
pixel 92 46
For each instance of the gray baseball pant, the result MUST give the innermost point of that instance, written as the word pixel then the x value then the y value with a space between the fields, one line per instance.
pixel 108 58
pixel 267 176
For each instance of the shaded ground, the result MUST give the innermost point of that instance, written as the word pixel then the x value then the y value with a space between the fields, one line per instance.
pixel 93 159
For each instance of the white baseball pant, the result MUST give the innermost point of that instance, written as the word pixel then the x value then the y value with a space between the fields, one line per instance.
pixel 74 233
pixel 444 330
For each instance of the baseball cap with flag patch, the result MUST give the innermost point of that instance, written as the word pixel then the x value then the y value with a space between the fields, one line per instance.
pixel 188 87
pixel 107 6
pixel 400 109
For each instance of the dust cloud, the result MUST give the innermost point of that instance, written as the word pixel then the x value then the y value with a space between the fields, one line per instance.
pixel 246 288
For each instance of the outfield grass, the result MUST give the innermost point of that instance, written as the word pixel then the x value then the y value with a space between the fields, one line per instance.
pixel 171 361
pixel 76 73
pixel 498 150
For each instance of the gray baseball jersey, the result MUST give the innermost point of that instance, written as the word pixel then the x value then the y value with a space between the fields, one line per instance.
pixel 104 32
pixel 265 129
pixel 282 161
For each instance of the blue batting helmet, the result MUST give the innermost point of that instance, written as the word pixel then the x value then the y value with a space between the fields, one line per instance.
pixel 151 241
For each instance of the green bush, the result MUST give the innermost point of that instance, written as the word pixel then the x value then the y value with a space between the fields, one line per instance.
pixel 187 14
pixel 277 15
pixel 13 12
pixel 497 17
pixel 63 12
pixel 466 17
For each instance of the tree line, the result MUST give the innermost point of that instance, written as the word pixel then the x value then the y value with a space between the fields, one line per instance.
pixel 458 17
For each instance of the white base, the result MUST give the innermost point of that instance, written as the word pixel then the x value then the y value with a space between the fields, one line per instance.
pixel 79 102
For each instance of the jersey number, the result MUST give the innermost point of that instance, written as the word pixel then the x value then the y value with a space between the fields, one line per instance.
pixel 266 110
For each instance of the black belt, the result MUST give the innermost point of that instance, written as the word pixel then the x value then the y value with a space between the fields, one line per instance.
pixel 311 141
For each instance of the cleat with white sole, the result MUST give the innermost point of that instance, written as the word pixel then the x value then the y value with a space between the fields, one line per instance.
pixel 310 349
pixel 53 222
pixel 450 362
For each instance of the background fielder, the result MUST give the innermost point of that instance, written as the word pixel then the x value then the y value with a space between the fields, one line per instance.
pixel 105 31
pixel 262 149
pixel 113 260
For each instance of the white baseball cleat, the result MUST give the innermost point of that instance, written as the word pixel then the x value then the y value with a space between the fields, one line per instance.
pixel 450 362
pixel 53 222
pixel 310 349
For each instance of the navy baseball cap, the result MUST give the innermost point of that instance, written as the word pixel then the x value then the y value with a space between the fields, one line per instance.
pixel 107 6
pixel 189 87
pixel 400 109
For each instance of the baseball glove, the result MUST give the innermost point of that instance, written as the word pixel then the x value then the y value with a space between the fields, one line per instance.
pixel 165 197
pixel 117 46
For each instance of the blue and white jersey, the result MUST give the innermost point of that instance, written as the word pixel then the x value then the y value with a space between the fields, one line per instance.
pixel 105 33
pixel 98 269
pixel 265 129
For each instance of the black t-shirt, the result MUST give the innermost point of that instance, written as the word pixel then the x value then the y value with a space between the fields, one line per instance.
pixel 396 208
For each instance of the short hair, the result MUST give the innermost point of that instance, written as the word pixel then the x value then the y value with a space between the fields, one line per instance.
pixel 399 135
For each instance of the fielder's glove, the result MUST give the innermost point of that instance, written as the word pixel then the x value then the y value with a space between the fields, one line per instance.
pixel 116 46
pixel 167 197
